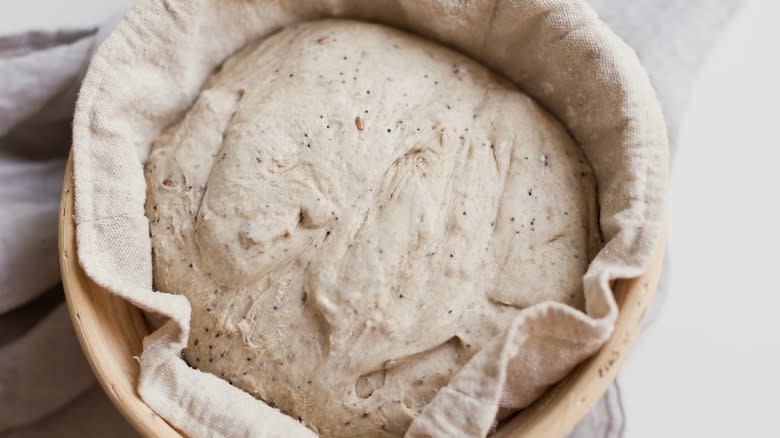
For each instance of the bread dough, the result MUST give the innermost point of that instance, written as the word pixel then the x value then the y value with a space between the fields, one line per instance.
pixel 353 212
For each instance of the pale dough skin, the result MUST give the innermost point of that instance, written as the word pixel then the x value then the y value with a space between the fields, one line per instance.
pixel 353 212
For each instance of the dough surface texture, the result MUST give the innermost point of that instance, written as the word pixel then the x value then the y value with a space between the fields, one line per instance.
pixel 353 212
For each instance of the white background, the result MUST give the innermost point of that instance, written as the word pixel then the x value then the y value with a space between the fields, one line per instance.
pixel 709 366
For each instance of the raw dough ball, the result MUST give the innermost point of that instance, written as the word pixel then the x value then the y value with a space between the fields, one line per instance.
pixel 353 212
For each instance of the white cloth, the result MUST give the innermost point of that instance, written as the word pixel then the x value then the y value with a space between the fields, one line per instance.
pixel 39 72
pixel 45 382
pixel 558 52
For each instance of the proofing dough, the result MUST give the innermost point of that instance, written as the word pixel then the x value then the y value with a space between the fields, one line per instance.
pixel 353 212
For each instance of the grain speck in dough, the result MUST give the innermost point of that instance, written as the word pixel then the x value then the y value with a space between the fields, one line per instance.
pixel 352 213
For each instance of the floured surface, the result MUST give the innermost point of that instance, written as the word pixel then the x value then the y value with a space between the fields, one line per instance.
pixel 353 212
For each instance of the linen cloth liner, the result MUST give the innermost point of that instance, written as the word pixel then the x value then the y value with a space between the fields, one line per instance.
pixel 149 71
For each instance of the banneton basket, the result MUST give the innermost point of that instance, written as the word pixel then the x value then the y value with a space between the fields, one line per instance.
pixel 152 67
pixel 111 333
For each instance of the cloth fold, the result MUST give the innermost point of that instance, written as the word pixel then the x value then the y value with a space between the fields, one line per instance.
pixel 29 79
pixel 31 392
